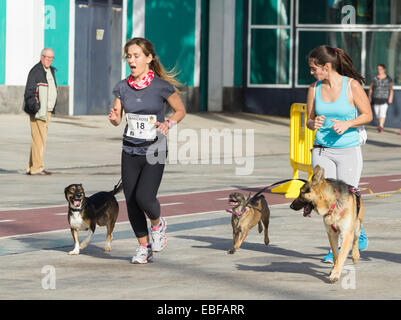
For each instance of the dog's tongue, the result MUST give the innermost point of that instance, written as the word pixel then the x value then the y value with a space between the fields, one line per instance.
pixel 307 212
pixel 77 203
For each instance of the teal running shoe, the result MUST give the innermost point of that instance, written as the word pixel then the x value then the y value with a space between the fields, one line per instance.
pixel 363 240
pixel 328 258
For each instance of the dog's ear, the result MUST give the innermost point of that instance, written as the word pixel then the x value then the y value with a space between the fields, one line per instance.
pixel 318 175
pixel 247 199
pixel 66 191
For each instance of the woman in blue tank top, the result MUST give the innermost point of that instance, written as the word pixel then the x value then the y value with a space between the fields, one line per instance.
pixel 333 105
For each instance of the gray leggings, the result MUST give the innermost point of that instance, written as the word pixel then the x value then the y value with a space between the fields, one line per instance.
pixel 343 164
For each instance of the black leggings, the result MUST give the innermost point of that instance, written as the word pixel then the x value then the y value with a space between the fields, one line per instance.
pixel 141 182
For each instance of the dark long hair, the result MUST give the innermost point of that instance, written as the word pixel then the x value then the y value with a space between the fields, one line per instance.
pixel 339 59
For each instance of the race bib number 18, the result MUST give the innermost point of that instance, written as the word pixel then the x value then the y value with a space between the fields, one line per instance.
pixel 141 126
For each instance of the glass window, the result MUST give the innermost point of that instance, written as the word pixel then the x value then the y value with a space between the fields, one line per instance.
pixel 271 12
pixel 270 56
pixel 336 12
pixel 117 3
pixel 101 2
pixel 384 48
pixel 351 42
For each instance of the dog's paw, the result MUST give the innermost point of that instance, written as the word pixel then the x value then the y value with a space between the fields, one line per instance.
pixel 355 256
pixel 231 251
pixel 107 249
pixel 334 276
pixel 73 252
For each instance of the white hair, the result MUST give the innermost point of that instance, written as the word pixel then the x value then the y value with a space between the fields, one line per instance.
pixel 42 53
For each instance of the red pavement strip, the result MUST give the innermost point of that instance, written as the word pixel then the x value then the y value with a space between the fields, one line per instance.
pixel 28 221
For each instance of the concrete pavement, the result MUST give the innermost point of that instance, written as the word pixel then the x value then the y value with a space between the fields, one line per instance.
pixel 194 265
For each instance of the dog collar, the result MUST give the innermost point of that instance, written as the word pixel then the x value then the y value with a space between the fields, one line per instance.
pixel 332 209
pixel 240 213
pixel 334 205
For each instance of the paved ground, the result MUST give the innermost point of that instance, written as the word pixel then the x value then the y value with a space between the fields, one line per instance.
pixel 35 239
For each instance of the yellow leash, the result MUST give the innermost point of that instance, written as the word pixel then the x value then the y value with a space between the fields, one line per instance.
pixel 381 195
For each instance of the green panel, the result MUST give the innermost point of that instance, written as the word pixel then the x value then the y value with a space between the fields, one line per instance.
pixel 384 48
pixel 271 12
pixel 57 25
pixel 384 14
pixel 270 56
pixel 130 4
pixel 2 41
pixel 351 42
pixel 238 41
pixel 170 26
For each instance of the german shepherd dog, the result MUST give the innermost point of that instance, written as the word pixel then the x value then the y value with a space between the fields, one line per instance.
pixel 84 213
pixel 246 213
pixel 342 211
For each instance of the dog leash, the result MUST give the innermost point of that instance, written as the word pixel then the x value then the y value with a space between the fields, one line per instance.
pixel 272 185
pixel 258 193
pixel 381 195
pixel 117 186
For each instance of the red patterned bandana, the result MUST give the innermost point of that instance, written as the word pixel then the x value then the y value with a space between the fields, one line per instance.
pixel 145 81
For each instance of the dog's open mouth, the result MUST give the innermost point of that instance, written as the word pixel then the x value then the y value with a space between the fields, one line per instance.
pixel 233 203
pixel 76 203
pixel 307 210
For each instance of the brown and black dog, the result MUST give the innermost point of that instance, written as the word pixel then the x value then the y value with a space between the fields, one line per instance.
pixel 246 213
pixel 84 213
pixel 342 210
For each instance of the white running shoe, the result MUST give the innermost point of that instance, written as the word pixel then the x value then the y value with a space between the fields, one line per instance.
pixel 159 237
pixel 143 255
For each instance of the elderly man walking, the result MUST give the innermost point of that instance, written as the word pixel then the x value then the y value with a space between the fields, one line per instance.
pixel 39 102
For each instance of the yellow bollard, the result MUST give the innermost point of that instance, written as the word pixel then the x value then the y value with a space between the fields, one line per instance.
pixel 301 144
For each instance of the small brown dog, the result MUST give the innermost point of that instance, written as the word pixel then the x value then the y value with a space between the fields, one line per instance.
pixel 342 210
pixel 246 213
pixel 84 213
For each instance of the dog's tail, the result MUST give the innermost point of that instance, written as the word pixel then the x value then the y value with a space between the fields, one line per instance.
pixel 118 187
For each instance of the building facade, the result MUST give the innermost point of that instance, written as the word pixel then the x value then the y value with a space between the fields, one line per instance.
pixel 231 55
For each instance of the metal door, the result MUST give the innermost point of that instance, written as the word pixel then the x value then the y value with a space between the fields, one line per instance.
pixel 97 55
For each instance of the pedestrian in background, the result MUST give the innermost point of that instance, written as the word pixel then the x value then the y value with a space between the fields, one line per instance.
pixel 381 94
pixel 39 102
pixel 144 96
pixel 332 105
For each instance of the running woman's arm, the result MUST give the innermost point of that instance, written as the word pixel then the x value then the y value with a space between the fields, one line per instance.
pixel 116 112
pixel 361 102
pixel 177 105
pixel 313 122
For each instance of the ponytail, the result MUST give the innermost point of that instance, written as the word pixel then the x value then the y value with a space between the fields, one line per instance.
pixel 339 59
pixel 161 72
